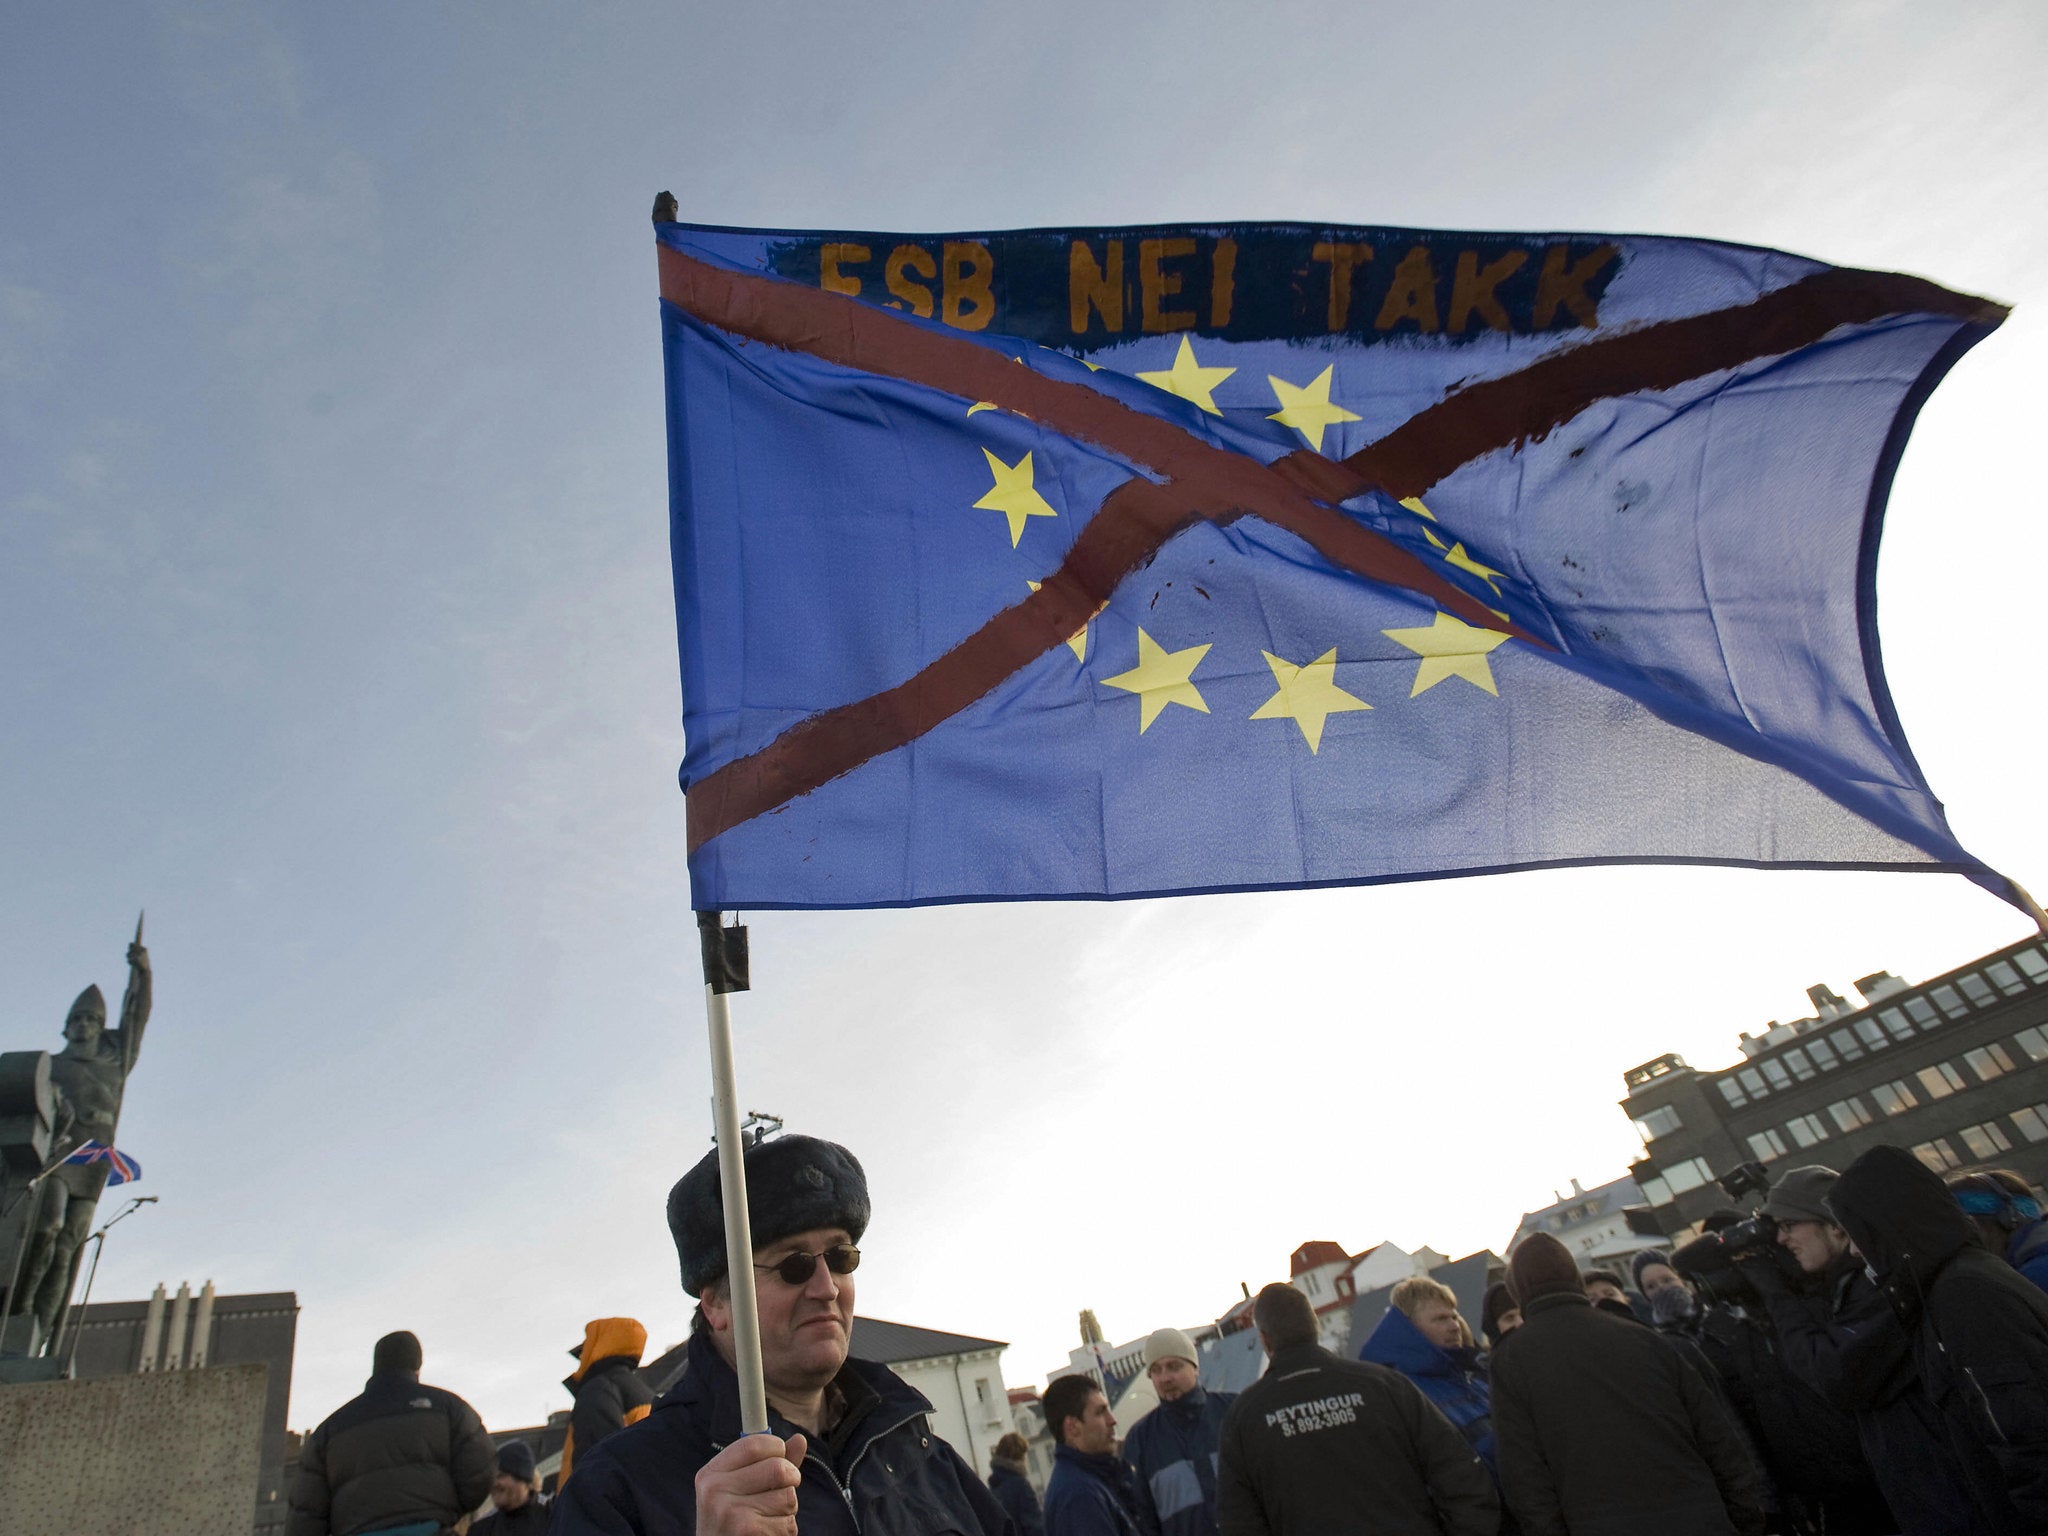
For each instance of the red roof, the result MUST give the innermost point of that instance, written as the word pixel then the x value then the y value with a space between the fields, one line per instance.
pixel 1315 1254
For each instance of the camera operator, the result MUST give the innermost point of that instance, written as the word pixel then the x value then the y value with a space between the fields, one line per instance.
pixel 1810 1448
pixel 1977 1334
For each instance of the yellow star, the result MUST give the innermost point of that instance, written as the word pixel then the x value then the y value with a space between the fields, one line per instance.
pixel 1189 379
pixel 1465 562
pixel 1308 695
pixel 1450 648
pixel 1307 408
pixel 1077 642
pixel 1013 494
pixel 1161 677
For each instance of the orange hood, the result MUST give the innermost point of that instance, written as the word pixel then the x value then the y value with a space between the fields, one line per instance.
pixel 607 1336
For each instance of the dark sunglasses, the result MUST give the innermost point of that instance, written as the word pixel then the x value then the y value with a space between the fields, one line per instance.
pixel 797 1269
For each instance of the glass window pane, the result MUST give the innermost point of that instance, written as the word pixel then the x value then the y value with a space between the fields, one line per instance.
pixel 1894 1098
pixel 1775 1071
pixel 1951 1004
pixel 1871 1034
pixel 2032 1121
pixel 2033 1041
pixel 1986 1141
pixel 1732 1092
pixel 1765 1146
pixel 1687 1175
pixel 1976 989
pixel 1988 1062
pixel 1937 1154
pixel 1940 1081
pixel 1849 1114
pixel 1796 1059
pixel 1753 1080
pixel 2033 963
pixel 2004 977
pixel 1823 1055
pixel 1847 1044
pixel 1808 1131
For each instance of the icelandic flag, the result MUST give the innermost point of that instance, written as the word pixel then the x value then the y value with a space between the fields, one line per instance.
pixel 121 1168
pixel 1127 562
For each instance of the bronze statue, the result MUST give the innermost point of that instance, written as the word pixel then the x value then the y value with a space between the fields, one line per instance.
pixel 89 1075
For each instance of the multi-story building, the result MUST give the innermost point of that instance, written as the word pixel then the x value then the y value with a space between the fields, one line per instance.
pixel 1593 1223
pixel 1952 1069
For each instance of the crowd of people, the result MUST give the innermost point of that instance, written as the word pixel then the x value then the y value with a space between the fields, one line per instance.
pixel 1865 1355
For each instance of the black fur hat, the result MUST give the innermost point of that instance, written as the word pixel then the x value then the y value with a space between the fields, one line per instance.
pixel 794 1183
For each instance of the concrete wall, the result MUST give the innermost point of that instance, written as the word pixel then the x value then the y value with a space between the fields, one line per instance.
pixel 174 1454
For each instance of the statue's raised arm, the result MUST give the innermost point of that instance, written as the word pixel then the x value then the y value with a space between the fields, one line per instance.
pixel 135 1004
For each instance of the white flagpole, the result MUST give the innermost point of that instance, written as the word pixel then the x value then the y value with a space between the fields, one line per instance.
pixel 725 970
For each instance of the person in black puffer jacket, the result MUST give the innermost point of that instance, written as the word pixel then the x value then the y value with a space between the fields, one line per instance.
pixel 518 1507
pixel 400 1457
pixel 1979 1338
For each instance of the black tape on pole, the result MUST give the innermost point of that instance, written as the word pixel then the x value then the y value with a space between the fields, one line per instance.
pixel 725 953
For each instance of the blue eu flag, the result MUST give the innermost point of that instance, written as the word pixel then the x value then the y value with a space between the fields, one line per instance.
pixel 1122 562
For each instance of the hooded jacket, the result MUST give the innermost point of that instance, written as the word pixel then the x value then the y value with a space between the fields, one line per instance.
pixel 1450 1378
pixel 1013 1490
pixel 1173 1450
pixel 1979 1339
pixel 1605 1430
pixel 401 1453
pixel 879 1472
pixel 1320 1445
pixel 2027 1252
pixel 606 1385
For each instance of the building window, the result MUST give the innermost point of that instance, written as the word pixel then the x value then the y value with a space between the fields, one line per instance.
pixel 1753 1082
pixel 1766 1146
pixel 1732 1092
pixel 2033 1041
pixel 1986 1141
pixel 1850 1115
pixel 1951 1004
pixel 1988 1062
pixel 1796 1059
pixel 1823 1055
pixel 1923 1011
pixel 1976 989
pixel 1938 1155
pixel 1655 1190
pixel 1774 1071
pixel 1850 1047
pixel 2032 1121
pixel 1808 1131
pixel 1661 1121
pixel 1868 1032
pixel 1690 1174
pixel 2033 963
pixel 1900 1026
pixel 1894 1098
pixel 2009 981
pixel 1940 1081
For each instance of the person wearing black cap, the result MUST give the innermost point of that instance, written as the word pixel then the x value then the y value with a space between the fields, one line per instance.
pixel 848 1448
pixel 1602 1427
pixel 518 1508
pixel 401 1460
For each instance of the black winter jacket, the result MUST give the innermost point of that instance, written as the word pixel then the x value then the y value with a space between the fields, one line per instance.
pixel 1604 1430
pixel 1320 1445
pixel 1979 1334
pixel 1014 1492
pixel 400 1453
pixel 609 1396
pixel 880 1472
pixel 529 1519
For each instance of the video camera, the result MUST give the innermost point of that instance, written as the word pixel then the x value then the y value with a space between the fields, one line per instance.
pixel 1709 1261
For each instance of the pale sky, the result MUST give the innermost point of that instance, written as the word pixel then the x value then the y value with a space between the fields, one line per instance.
pixel 336 631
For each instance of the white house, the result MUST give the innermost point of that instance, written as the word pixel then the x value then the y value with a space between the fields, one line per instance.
pixel 962 1375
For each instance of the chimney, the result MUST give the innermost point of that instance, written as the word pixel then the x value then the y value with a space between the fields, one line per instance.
pixel 152 1331
pixel 1826 1001
pixel 174 1346
pixel 1879 984
pixel 1577 1189
pixel 202 1325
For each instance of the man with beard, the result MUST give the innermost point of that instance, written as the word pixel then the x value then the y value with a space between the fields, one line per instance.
pixel 1173 1448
